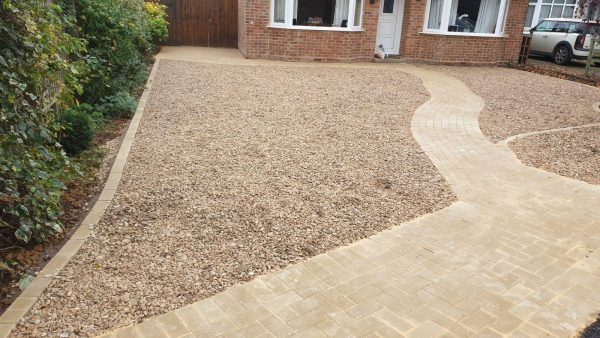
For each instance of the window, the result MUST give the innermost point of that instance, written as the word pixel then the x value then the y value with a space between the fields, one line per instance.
pixel 477 17
pixel 317 14
pixel 545 26
pixel 543 9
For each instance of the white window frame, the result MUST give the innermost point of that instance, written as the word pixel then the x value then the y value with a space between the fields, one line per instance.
pixel 538 8
pixel 289 18
pixel 443 30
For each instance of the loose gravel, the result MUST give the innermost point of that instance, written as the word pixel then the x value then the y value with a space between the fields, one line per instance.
pixel 241 170
pixel 517 102
pixel 574 153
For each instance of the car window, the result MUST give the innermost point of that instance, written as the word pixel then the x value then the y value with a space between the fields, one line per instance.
pixel 562 27
pixel 578 28
pixel 545 26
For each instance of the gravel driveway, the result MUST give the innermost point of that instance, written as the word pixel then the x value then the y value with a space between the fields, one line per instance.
pixel 573 153
pixel 237 171
pixel 517 102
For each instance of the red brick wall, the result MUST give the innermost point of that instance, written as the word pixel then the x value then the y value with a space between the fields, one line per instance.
pixel 470 50
pixel 259 41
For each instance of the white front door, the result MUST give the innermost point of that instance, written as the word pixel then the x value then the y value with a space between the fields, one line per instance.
pixel 390 25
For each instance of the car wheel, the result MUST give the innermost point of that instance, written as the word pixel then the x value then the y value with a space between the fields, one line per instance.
pixel 562 55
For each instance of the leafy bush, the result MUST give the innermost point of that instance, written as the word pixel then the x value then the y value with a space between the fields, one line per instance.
pixel 157 25
pixel 35 74
pixel 120 105
pixel 78 129
pixel 117 46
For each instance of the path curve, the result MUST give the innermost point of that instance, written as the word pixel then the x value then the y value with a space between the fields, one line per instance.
pixel 517 255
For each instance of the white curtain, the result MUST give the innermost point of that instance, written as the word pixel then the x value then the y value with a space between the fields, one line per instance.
pixel 279 12
pixel 341 12
pixel 487 16
pixel 295 9
pixel 453 12
pixel 435 14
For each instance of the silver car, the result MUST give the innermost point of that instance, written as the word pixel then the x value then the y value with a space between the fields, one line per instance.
pixel 563 39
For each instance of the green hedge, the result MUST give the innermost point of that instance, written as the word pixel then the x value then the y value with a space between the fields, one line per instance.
pixel 54 56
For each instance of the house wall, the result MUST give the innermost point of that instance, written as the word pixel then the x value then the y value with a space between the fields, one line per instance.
pixel 257 40
pixel 454 49
pixel 260 41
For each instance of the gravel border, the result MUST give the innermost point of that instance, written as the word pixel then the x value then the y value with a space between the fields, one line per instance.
pixel 573 153
pixel 517 101
pixel 241 170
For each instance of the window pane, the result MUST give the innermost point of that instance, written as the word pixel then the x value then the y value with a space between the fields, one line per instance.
pixel 570 2
pixel 357 12
pixel 435 14
pixel 545 12
pixel 562 27
pixel 545 26
pixel 547 1
pixel 568 12
pixel 529 19
pixel 556 11
pixel 279 11
pixel 324 13
pixel 479 16
pixel 388 6
pixel 559 2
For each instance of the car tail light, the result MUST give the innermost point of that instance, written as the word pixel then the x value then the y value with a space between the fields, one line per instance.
pixel 580 41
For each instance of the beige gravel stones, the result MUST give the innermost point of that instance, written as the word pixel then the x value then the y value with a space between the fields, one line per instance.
pixel 237 171
pixel 517 101
pixel 574 153
pixel 517 256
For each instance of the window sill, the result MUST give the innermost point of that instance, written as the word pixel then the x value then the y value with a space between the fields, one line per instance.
pixel 318 28
pixel 476 35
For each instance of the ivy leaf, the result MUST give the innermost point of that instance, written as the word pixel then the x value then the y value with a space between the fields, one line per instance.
pixel 23 234
pixel 3 62
pixel 25 281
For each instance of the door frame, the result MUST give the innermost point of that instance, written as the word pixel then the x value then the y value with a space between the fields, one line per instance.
pixel 398 31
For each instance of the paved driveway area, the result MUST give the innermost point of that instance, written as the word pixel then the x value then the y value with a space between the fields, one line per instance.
pixel 517 255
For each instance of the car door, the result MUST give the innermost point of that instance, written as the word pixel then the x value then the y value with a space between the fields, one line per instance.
pixel 540 37
pixel 559 33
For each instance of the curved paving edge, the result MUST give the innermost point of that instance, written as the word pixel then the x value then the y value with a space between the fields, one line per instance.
pixel 30 295
pixel 516 256
pixel 506 141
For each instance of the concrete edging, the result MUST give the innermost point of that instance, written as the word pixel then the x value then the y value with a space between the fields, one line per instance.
pixel 19 308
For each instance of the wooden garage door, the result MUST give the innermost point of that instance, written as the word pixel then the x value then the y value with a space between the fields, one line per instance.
pixel 207 23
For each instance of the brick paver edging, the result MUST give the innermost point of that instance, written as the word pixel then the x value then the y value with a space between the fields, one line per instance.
pixel 30 295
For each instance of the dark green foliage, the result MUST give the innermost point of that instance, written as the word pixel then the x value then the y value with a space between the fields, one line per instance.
pixel 78 129
pixel 117 46
pixel 35 74
pixel 54 54
pixel 120 105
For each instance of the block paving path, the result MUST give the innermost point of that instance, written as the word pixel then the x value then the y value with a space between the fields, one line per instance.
pixel 518 255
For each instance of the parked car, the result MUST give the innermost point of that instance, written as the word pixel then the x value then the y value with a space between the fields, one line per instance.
pixel 563 39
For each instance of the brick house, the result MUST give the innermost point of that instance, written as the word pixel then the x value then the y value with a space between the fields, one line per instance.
pixel 437 31
pixel 441 31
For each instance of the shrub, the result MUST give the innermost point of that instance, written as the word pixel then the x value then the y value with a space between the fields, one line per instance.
pixel 117 46
pixel 156 22
pixel 35 74
pixel 120 105
pixel 78 129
